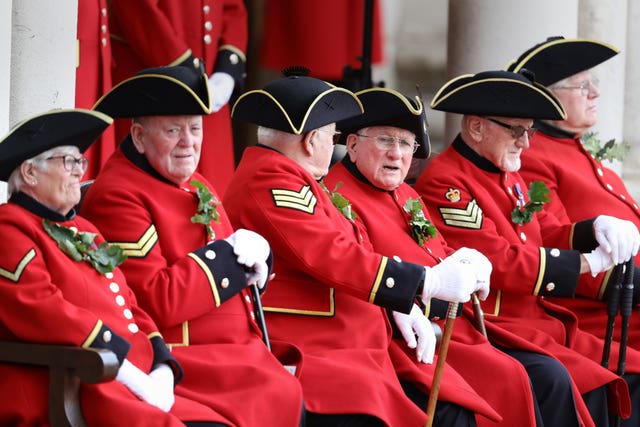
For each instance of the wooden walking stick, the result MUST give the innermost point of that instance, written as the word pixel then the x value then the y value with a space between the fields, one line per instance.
pixel 442 357
pixel 478 314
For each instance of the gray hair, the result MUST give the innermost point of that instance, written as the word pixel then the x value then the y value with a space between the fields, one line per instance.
pixel 16 183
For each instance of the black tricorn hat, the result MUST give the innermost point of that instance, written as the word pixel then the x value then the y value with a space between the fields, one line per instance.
pixel 386 107
pixel 47 130
pixel 498 93
pixel 558 58
pixel 162 91
pixel 296 104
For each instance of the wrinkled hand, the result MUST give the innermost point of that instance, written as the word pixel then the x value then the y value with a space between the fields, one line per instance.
pixel 220 87
pixel 252 251
pixel 598 261
pixel 618 238
pixel 460 274
pixel 416 323
pixel 146 387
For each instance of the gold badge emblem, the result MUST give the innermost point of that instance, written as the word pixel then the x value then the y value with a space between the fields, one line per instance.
pixel 453 195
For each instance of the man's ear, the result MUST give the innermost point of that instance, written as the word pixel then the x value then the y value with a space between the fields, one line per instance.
pixel 352 144
pixel 27 170
pixel 475 126
pixel 308 141
pixel 137 136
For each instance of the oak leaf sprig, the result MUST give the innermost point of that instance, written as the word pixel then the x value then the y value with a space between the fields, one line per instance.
pixel 537 198
pixel 80 246
pixel 339 201
pixel 421 228
pixel 610 151
pixel 207 204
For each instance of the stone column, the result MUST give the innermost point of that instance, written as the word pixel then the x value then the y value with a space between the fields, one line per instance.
pixel 43 56
pixel 5 66
pixel 488 34
pixel 630 134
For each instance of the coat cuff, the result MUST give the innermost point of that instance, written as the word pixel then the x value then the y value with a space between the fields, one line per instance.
pixel 232 61
pixel 583 239
pixel 161 354
pixel 105 338
pixel 397 284
pixel 559 273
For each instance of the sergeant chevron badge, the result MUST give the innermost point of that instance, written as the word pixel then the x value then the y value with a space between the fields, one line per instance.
pixel 468 217
pixel 303 200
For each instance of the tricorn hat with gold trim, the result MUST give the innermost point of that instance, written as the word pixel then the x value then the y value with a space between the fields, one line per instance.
pixel 386 107
pixel 47 130
pixel 498 93
pixel 161 91
pixel 296 103
pixel 558 58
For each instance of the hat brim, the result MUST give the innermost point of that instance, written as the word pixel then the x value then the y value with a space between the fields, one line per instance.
pixel 37 134
pixel 158 92
pixel 498 93
pixel 296 105
pixel 386 107
pixel 560 58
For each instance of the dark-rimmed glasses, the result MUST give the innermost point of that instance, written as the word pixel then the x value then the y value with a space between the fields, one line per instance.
pixel 71 162
pixel 516 130
pixel 388 142
pixel 336 135
pixel 584 87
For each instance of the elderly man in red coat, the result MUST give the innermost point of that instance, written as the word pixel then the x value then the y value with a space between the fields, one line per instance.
pixel 330 288
pixel 208 33
pixel 186 265
pixel 483 202
pixel 581 185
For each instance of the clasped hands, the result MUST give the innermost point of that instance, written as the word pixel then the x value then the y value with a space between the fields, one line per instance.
pixel 252 251
pixel 618 241
pixel 454 279
pixel 156 388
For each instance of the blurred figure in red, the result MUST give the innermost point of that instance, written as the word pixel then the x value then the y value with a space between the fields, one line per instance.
pixel 152 33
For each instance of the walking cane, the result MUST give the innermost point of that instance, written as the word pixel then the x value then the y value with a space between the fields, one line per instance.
pixel 442 356
pixel 478 314
pixel 612 312
pixel 259 312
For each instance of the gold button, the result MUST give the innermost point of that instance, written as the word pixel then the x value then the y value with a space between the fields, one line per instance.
pixel 127 314
pixel 108 275
pixel 106 336
pixel 390 283
pixel 555 252
pixel 208 25
pixel 120 300
pixel 103 28
pixel 114 287
pixel 103 11
pixel 396 258
pixel 609 187
pixel 600 172
pixel 550 286
pixel 234 59
pixel 224 283
pixel 133 328
pixel 207 39
pixel 523 236
pixel 206 9
pixel 210 254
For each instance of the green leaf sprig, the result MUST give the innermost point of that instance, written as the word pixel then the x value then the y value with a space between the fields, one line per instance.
pixel 421 228
pixel 610 151
pixel 339 201
pixel 537 198
pixel 80 246
pixel 207 204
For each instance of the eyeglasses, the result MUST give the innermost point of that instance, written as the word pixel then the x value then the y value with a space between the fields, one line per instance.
pixel 336 135
pixel 584 87
pixel 388 142
pixel 516 130
pixel 71 162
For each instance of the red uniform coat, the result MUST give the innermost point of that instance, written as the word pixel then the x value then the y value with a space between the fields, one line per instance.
pixel 49 298
pixel 152 33
pixel 93 74
pixel 530 262
pixel 196 294
pixel 295 33
pixel 581 187
pixel 328 289
pixel 470 354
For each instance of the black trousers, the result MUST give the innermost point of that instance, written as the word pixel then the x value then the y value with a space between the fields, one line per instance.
pixel 551 385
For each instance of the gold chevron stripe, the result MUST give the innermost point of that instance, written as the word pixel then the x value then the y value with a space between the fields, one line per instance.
pixel 303 200
pixel 14 276
pixel 470 217
pixel 142 247
pixel 207 272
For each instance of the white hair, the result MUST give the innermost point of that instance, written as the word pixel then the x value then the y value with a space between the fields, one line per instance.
pixel 15 183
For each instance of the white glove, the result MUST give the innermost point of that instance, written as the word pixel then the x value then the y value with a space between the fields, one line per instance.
pixel 252 251
pixel 618 238
pixel 144 386
pixel 164 383
pixel 416 323
pixel 598 261
pixel 460 274
pixel 220 87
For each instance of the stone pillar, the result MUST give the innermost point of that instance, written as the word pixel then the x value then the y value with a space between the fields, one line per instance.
pixel 630 134
pixel 488 34
pixel 5 66
pixel 43 56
